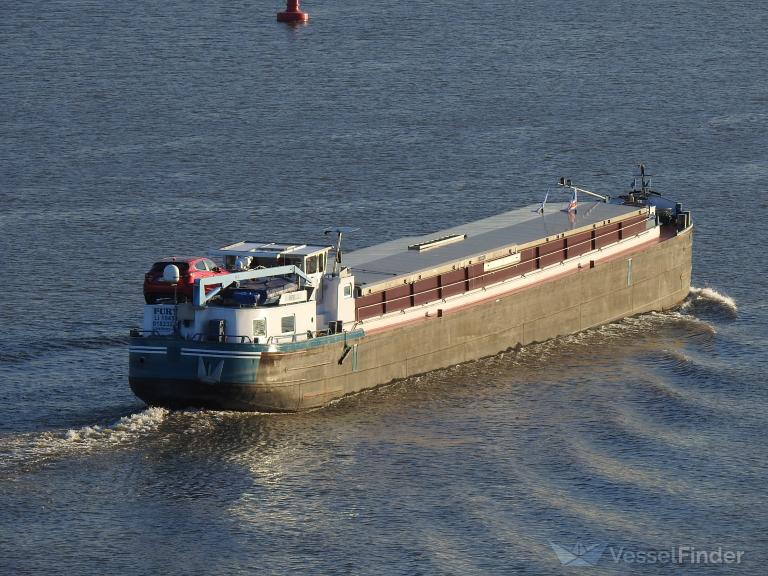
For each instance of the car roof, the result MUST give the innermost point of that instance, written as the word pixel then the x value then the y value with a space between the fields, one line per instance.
pixel 188 259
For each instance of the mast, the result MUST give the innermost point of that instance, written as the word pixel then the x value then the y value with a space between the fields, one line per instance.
pixel 643 186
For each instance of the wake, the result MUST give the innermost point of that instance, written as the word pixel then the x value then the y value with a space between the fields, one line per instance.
pixel 709 299
pixel 20 452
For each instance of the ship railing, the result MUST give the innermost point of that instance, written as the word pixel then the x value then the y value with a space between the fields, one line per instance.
pixel 199 337
pixel 223 338
pixel 298 336
pixel 282 339
pixel 144 333
pixel 592 241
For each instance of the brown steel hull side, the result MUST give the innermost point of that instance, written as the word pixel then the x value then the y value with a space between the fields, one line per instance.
pixel 659 280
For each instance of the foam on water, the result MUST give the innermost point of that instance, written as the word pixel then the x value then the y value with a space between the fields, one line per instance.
pixel 709 299
pixel 20 452
pixel 123 429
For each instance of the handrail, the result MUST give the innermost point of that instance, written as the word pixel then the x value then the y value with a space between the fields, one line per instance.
pixel 567 184
pixel 137 332
pixel 198 337
pixel 484 274
pixel 275 338
pixel 201 337
pixel 200 298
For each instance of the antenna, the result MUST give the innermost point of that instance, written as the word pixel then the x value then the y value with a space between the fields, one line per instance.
pixel 339 231
pixel 644 181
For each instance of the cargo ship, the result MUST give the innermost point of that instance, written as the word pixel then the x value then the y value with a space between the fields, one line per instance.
pixel 284 327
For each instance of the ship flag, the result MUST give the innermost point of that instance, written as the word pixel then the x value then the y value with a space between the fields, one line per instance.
pixel 543 203
pixel 574 202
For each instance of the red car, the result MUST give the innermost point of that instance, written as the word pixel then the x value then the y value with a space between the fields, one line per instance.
pixel 156 289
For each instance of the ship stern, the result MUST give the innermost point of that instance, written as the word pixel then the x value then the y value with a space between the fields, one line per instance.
pixel 176 373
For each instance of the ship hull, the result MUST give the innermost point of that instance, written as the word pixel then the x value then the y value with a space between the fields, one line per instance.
pixel 186 393
pixel 308 375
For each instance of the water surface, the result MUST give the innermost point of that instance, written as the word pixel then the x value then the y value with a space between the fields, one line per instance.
pixel 132 131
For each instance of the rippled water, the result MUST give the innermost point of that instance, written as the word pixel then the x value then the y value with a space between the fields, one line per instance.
pixel 130 131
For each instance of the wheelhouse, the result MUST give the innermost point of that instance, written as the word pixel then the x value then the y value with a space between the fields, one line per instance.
pixel 247 254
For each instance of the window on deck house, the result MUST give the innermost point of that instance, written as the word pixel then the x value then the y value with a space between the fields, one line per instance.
pixel 288 324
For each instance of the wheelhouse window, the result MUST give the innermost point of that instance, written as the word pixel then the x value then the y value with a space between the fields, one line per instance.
pixel 260 327
pixel 298 262
pixel 265 262
pixel 311 264
pixel 288 324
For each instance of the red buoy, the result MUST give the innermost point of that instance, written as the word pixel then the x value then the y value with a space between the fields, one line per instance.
pixel 292 13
